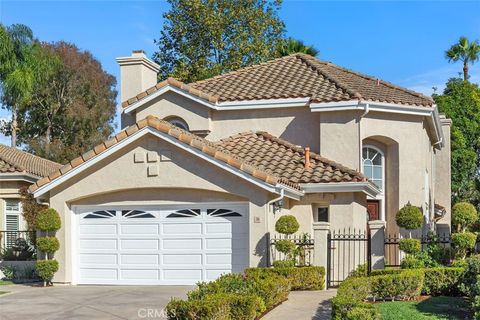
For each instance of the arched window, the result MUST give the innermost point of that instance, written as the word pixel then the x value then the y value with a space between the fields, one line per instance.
pixel 178 122
pixel 373 165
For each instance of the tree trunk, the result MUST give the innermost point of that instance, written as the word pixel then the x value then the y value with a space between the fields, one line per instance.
pixel 465 71
pixel 14 127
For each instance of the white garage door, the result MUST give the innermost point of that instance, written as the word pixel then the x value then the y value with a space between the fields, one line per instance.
pixel 177 245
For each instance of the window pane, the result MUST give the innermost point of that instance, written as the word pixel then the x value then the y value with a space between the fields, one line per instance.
pixel 368 171
pixel 377 172
pixel 12 222
pixel 322 215
pixel 365 153
pixel 13 205
pixel 377 159
pixel 378 183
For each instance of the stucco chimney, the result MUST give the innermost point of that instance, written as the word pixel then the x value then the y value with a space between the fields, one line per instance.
pixel 137 74
pixel 307 157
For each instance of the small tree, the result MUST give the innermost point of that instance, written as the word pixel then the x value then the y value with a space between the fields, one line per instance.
pixel 409 217
pixel 30 208
pixel 286 225
pixel 48 222
pixel 464 215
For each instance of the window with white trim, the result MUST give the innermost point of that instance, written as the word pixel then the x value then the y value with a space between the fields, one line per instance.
pixel 178 122
pixel 12 214
pixel 373 165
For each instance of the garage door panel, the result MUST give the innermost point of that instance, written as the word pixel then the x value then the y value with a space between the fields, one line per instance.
pixel 182 244
pixel 182 274
pixel 182 259
pixel 98 244
pixel 181 228
pixel 139 274
pixel 139 259
pixel 142 229
pixel 139 244
pixel 90 258
pixel 98 229
pixel 174 247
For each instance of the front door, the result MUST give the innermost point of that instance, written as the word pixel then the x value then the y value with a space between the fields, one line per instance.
pixel 373 209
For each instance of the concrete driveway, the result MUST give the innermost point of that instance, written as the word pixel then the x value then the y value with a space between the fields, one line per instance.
pixel 87 302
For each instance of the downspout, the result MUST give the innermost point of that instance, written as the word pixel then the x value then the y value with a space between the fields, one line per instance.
pixel 270 203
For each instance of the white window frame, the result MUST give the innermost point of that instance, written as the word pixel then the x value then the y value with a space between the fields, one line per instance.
pixel 13 213
pixel 381 196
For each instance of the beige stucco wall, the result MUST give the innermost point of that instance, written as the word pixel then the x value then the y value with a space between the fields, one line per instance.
pixel 182 178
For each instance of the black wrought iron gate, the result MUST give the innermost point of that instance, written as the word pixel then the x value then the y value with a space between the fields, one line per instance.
pixel 347 250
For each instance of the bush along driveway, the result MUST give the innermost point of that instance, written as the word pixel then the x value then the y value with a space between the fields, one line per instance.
pixel 245 296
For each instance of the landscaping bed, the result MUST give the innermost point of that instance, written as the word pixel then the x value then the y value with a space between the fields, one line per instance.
pixel 245 296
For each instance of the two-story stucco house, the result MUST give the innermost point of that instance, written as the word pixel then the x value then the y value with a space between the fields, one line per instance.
pixel 193 184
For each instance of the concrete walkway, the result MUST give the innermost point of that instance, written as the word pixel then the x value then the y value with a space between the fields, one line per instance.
pixel 87 302
pixel 304 305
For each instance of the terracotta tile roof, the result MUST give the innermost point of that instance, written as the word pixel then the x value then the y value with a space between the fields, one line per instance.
pixel 260 154
pixel 294 76
pixel 285 160
pixel 14 160
pixel 183 136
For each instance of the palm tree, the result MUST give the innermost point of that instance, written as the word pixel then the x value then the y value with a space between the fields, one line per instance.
pixel 465 51
pixel 291 45
pixel 15 75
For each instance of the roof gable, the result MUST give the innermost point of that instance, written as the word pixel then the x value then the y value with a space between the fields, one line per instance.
pixel 292 77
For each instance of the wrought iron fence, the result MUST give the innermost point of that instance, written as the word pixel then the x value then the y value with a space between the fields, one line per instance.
pixel 304 249
pixel 347 249
pixel 394 256
pixel 17 240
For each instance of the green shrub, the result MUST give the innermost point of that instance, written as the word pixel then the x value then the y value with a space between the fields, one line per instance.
pixel 442 281
pixel 412 262
pixel 287 224
pixel 469 281
pixel 464 215
pixel 48 220
pixel 363 312
pixel 271 288
pixel 212 307
pixel 46 269
pixel 409 217
pixel 9 272
pixel 284 263
pixel 285 246
pixel 351 294
pixel 463 242
pixel 381 272
pixel 48 244
pixel 361 271
pixel 402 286
pixel 300 278
pixel 410 246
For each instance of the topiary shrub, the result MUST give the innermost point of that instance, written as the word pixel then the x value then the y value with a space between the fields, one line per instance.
pixel 402 286
pixel 463 242
pixel 301 278
pixel 409 217
pixel 442 281
pixel 464 215
pixel 410 246
pixel 363 312
pixel 285 246
pixel 48 244
pixel 412 262
pixel 48 220
pixel 46 269
pixel 284 264
pixel 287 225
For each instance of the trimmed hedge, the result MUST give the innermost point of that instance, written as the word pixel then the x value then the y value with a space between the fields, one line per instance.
pixel 402 286
pixel 48 244
pixel 350 298
pixel 410 246
pixel 48 220
pixel 46 269
pixel 300 278
pixel 216 306
pixel 232 296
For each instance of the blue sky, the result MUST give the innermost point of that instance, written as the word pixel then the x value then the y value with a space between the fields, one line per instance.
pixel 398 41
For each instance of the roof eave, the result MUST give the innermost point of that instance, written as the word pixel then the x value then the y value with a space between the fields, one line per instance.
pixel 18 176
pixel 341 187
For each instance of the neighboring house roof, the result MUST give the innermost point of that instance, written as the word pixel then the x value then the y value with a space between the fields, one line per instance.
pixel 285 160
pixel 295 76
pixel 246 157
pixel 13 160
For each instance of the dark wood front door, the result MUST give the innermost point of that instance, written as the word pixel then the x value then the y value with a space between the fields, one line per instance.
pixel 373 209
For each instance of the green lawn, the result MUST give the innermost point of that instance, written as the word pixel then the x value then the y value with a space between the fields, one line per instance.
pixel 433 308
pixel 5 282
